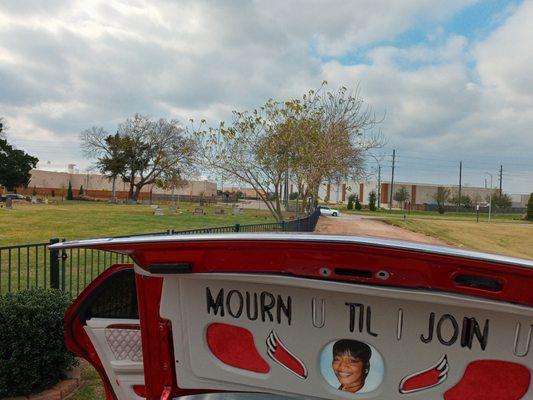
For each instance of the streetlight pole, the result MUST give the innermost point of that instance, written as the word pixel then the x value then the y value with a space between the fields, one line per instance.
pixel 490 194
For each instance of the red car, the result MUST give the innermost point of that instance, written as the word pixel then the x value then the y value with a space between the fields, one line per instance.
pixel 305 315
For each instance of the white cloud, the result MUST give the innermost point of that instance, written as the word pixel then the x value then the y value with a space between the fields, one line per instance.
pixel 337 27
pixel 73 64
pixel 505 59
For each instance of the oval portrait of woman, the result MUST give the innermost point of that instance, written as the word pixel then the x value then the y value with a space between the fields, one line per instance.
pixel 352 366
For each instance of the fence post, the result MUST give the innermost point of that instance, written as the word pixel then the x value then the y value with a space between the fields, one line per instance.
pixel 283 226
pixel 237 227
pixel 54 266
pixel 63 268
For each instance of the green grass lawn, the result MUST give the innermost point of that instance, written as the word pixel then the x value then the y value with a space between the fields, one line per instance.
pixel 507 234
pixel 500 236
pixel 91 386
pixel 515 218
pixel 22 268
pixel 33 223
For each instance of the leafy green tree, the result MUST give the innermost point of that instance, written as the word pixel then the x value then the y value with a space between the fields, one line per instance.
pixel 441 197
pixel 465 200
pixel 15 166
pixel 372 198
pixel 358 205
pixel 351 200
pixel 112 163
pixel 70 195
pixel 530 208
pixel 501 201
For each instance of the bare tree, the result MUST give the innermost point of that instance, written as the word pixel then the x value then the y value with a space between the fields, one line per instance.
pixel 108 149
pixel 336 130
pixel 3 128
pixel 242 151
pixel 441 197
pixel 143 150
pixel 322 136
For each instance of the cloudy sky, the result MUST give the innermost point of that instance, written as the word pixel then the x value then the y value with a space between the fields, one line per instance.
pixel 453 78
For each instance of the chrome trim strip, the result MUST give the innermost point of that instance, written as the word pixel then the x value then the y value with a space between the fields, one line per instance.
pixel 367 241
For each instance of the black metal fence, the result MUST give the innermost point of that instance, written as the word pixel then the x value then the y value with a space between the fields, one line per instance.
pixel 33 265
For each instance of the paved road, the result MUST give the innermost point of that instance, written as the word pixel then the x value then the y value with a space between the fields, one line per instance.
pixel 367 226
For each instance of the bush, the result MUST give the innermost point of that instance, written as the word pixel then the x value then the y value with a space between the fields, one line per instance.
pixel 372 197
pixel 33 355
pixel 294 196
pixel 358 205
pixel 70 196
pixel 530 208
pixel 351 200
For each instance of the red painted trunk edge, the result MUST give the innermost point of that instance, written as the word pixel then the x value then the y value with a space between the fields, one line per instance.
pixel 156 335
pixel 405 268
pixel 77 339
pixel 149 298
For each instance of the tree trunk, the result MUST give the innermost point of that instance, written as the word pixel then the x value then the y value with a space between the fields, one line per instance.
pixel 137 191
pixel 114 193
pixel 130 193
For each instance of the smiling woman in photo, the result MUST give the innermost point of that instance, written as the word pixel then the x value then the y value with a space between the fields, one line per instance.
pixel 351 364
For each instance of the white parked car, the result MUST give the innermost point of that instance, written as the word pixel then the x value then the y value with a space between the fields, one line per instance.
pixel 328 211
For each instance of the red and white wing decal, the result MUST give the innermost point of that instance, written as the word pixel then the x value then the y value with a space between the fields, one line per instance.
pixel 428 378
pixel 282 356
pixel 235 346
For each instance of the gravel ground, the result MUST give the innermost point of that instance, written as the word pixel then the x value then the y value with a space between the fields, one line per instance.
pixel 362 226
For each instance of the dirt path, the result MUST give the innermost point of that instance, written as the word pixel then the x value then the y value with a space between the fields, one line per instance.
pixel 361 226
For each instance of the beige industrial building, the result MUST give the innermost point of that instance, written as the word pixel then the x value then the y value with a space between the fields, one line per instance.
pixel 96 185
pixel 420 194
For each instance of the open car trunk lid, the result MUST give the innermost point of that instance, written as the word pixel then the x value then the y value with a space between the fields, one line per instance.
pixel 324 317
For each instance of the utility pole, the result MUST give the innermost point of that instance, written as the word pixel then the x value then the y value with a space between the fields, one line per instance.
pixel 490 195
pixel 460 184
pixel 392 178
pixel 501 176
pixel 379 186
